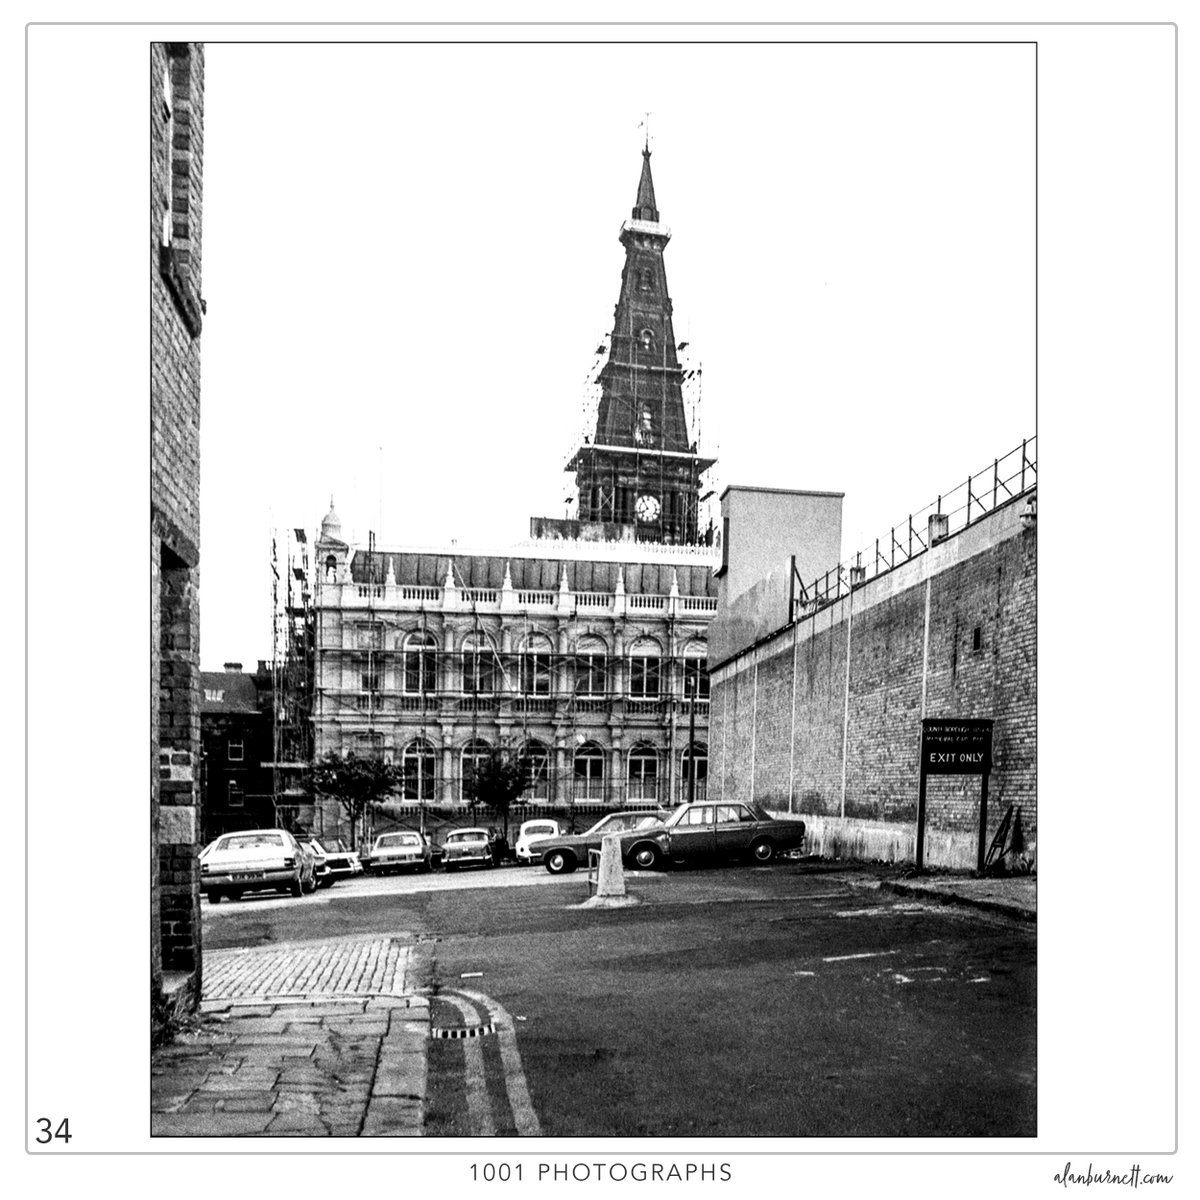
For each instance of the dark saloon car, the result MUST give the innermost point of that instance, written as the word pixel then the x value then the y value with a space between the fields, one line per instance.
pixel 564 853
pixel 713 830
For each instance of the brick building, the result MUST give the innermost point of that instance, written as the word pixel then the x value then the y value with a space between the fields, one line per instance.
pixel 237 784
pixel 819 686
pixel 176 316
pixel 585 645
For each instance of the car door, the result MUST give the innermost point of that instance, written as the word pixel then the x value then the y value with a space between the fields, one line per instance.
pixel 693 835
pixel 735 830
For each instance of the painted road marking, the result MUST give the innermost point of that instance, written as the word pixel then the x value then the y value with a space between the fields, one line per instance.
pixel 524 1116
pixel 869 954
pixel 479 1107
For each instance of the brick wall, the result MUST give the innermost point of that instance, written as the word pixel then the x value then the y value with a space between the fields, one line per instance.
pixel 176 107
pixel 793 730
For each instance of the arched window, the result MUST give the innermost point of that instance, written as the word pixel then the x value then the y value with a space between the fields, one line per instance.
pixel 420 663
pixel 474 754
pixel 643 774
pixel 420 771
pixel 645 670
pixel 538 754
pixel 695 670
pixel 591 668
pixel 588 773
pixel 330 568
pixel 694 760
pixel 646 337
pixel 480 666
pixel 535 665
pixel 646 280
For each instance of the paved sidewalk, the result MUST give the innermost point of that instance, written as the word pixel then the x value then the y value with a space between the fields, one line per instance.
pixel 1014 896
pixel 305 1041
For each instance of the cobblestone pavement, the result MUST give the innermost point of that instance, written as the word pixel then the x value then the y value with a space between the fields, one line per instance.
pixel 367 967
pixel 307 1040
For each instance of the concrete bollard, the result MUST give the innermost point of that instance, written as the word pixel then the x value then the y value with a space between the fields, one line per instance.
pixel 611 880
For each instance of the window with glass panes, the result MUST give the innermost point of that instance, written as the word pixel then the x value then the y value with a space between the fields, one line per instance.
pixel 645 671
pixel 694 761
pixel 591 669
pixel 480 669
pixel 539 771
pixel 474 754
pixel 695 678
pixel 420 766
pixel 420 663
pixel 535 667
pixel 643 773
pixel 589 772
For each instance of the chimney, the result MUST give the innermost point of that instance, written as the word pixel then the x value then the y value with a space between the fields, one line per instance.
pixel 233 666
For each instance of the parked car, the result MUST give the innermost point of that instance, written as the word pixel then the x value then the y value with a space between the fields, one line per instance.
pixel 321 874
pixel 400 851
pixel 530 831
pixel 343 862
pixel 710 830
pixel 564 852
pixel 253 861
pixel 465 847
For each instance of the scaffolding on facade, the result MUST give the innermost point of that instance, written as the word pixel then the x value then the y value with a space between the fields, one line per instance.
pixel 292 685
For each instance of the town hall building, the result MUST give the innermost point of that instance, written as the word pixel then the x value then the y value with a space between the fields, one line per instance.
pixel 584 645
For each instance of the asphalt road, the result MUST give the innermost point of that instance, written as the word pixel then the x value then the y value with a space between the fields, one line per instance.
pixel 789 1000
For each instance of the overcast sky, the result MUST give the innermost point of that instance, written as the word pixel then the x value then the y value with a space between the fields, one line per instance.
pixel 410 255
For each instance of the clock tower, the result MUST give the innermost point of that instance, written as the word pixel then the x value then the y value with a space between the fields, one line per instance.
pixel 640 469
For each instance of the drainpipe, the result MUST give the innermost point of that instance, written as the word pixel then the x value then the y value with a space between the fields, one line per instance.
pixel 846 699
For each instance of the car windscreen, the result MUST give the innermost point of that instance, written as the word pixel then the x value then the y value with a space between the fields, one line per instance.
pixel 250 841
pixel 541 831
pixel 466 837
pixel 399 839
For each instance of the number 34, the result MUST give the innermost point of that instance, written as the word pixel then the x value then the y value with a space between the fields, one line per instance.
pixel 47 1133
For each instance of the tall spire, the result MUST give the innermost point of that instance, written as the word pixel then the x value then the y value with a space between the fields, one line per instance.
pixel 644 209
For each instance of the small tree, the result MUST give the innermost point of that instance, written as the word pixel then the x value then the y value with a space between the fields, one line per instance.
pixel 496 781
pixel 356 783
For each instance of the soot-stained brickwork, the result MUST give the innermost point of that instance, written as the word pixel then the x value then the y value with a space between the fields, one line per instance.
pixel 794 729
pixel 176 319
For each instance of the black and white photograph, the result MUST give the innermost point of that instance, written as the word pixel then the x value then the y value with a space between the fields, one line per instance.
pixel 600 683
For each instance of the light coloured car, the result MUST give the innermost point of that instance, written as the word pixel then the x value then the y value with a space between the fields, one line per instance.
pixel 530 831
pixel 402 850
pixel 343 862
pixel 563 853
pixel 256 860
pixel 467 847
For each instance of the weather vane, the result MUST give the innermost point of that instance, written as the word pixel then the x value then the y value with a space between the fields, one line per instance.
pixel 645 124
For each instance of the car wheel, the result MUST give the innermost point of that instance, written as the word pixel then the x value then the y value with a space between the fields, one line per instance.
pixel 763 851
pixel 312 886
pixel 214 897
pixel 559 862
pixel 646 857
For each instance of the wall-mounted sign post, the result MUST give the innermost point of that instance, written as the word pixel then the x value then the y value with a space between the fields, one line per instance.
pixel 954 746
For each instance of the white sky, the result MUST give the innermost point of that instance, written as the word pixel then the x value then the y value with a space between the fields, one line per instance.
pixel 410 254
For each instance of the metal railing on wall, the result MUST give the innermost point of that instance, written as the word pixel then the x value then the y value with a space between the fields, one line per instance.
pixel 981 494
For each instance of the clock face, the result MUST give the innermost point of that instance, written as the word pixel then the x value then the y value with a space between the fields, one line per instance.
pixel 646 508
